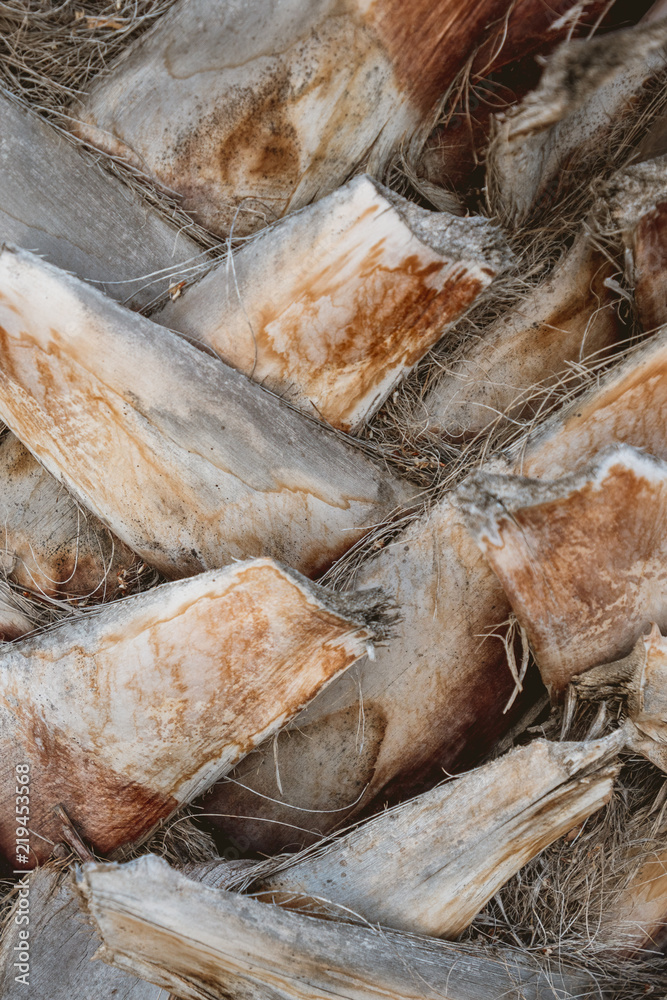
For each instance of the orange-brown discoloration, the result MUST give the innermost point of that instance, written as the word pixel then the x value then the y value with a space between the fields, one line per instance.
pixel 397 313
pixel 241 163
pixel 586 572
pixel 107 809
pixel 423 697
pixel 189 446
pixel 331 308
pixel 106 735
pixel 637 916
pixel 630 409
pixel 650 252
pixel 248 145
pixel 429 42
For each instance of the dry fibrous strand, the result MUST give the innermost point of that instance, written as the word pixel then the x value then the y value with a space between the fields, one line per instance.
pixel 245 133
pixel 641 679
pixel 580 558
pixel 334 304
pixel 207 943
pixel 112 238
pixel 502 72
pixel 130 710
pixel 201 466
pixel 569 317
pixel 590 91
pixel 398 721
pixel 637 918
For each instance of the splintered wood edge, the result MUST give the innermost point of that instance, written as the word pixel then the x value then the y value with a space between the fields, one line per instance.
pixel 573 781
pixel 360 371
pixel 634 191
pixel 487 499
pixel 575 77
pixel 569 626
pixel 204 942
pixel 312 506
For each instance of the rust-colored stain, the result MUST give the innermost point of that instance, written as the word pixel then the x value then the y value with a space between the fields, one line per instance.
pixel 107 809
pixel 650 251
pixel 586 573
pixel 631 410
pixel 258 649
pixel 429 41
pixel 436 681
pixel 246 146
pixel 397 313
pixel 167 493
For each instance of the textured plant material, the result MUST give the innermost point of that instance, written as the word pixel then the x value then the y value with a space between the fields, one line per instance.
pixel 640 678
pixel 49 543
pixel 503 71
pixel 588 90
pixel 430 864
pixel 582 559
pixel 399 720
pixel 131 710
pixel 61 944
pixel 333 305
pixel 208 944
pixel 242 130
pixel 567 318
pixel 55 200
pixel 200 465
pixel 637 916
pixel 637 198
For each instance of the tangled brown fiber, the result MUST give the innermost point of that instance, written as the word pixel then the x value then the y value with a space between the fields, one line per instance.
pixel 49 51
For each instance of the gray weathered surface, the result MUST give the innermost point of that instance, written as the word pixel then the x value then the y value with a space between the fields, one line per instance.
pixel 569 317
pixel 208 944
pixel 251 109
pixel 589 88
pixel 200 465
pixel 636 199
pixel 62 944
pixel 55 200
pixel 430 864
pixel 49 544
